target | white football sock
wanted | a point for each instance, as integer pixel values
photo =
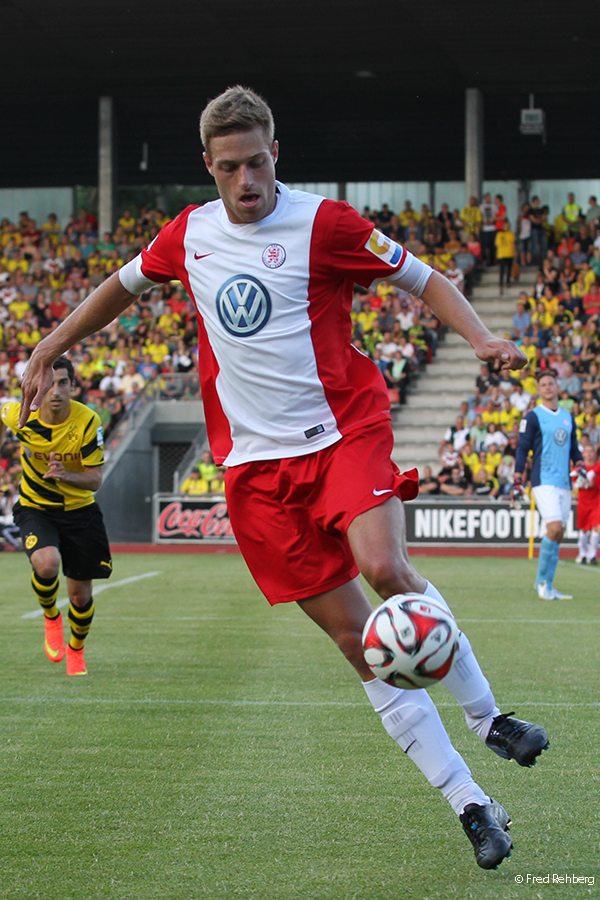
(582, 542)
(432, 591)
(413, 722)
(467, 683)
(593, 545)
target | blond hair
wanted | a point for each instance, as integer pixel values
(236, 109)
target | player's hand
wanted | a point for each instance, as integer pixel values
(578, 469)
(55, 468)
(518, 495)
(580, 474)
(36, 382)
(506, 352)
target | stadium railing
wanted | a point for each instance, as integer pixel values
(168, 387)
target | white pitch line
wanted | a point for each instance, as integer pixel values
(508, 621)
(595, 704)
(97, 590)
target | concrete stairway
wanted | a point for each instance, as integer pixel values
(434, 403)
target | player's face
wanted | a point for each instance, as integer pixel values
(57, 402)
(243, 166)
(548, 389)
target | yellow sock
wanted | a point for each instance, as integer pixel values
(80, 619)
(46, 591)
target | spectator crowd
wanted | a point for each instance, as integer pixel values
(556, 324)
(47, 270)
(204, 478)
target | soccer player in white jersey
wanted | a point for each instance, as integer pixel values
(549, 431)
(302, 421)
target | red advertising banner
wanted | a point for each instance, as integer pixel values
(187, 520)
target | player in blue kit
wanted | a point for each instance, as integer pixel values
(549, 432)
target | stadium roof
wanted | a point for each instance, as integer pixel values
(361, 91)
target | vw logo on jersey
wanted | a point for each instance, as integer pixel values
(243, 305)
(560, 436)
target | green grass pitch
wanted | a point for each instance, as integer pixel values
(223, 749)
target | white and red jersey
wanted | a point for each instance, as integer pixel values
(588, 500)
(279, 375)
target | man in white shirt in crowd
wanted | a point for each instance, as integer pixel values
(520, 398)
(387, 347)
(457, 433)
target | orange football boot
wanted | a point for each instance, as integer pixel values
(75, 662)
(54, 643)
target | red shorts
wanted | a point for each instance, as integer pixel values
(290, 516)
(588, 509)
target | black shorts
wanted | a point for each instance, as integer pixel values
(79, 535)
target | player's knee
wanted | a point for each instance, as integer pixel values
(47, 571)
(392, 576)
(79, 595)
(46, 562)
(555, 531)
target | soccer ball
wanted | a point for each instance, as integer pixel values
(410, 641)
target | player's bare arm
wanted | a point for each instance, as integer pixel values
(456, 312)
(90, 479)
(103, 305)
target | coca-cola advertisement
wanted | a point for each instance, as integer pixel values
(187, 520)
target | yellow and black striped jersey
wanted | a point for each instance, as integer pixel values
(78, 443)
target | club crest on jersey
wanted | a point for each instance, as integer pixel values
(273, 256)
(243, 305)
(380, 245)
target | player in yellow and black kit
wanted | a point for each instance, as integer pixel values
(62, 456)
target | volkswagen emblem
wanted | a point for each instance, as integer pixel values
(243, 305)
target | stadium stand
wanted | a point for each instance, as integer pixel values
(551, 307)
(553, 314)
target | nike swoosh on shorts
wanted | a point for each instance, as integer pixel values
(385, 491)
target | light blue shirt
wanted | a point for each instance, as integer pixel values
(552, 436)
